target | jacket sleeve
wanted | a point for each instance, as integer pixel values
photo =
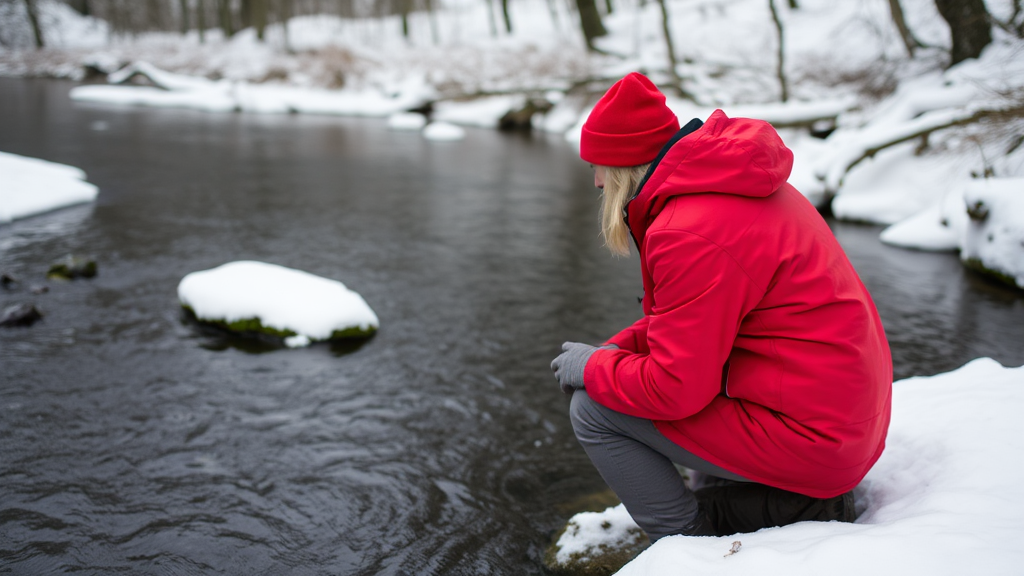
(700, 298)
(633, 338)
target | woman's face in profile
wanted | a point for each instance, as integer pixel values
(598, 176)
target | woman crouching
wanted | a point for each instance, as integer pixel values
(760, 360)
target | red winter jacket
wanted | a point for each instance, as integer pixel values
(760, 350)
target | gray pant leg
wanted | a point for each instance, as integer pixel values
(635, 460)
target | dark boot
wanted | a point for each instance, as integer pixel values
(701, 525)
(748, 507)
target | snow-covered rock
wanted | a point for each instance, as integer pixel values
(249, 296)
(30, 186)
(596, 543)
(443, 131)
(407, 121)
(944, 499)
(994, 240)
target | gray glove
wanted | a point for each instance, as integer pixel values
(568, 366)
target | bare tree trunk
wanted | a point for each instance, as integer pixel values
(590, 22)
(608, 8)
(670, 47)
(33, 20)
(969, 26)
(403, 8)
(184, 16)
(81, 6)
(226, 18)
(490, 18)
(284, 14)
(1016, 22)
(201, 20)
(553, 10)
(258, 16)
(433, 22)
(504, 14)
(781, 70)
(909, 41)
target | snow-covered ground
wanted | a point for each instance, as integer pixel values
(305, 307)
(944, 499)
(30, 186)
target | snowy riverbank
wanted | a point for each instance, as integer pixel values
(944, 499)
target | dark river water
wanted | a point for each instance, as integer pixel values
(134, 442)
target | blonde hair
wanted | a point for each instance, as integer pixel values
(619, 186)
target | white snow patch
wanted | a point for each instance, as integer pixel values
(482, 112)
(944, 499)
(587, 532)
(282, 298)
(31, 186)
(407, 121)
(997, 240)
(930, 229)
(443, 131)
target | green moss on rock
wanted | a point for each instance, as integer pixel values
(601, 560)
(978, 266)
(255, 326)
(71, 267)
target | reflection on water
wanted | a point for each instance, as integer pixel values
(139, 442)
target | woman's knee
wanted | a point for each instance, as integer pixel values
(585, 415)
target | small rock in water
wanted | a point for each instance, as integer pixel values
(39, 288)
(20, 315)
(6, 280)
(71, 267)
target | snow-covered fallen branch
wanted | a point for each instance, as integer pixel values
(179, 91)
(869, 142)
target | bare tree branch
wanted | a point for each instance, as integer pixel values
(919, 127)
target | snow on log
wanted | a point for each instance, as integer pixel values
(180, 91)
(247, 296)
(869, 141)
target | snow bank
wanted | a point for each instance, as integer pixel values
(944, 499)
(938, 228)
(994, 238)
(982, 218)
(181, 91)
(915, 176)
(300, 305)
(31, 186)
(482, 112)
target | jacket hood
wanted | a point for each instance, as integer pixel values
(739, 156)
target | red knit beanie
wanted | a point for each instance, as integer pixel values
(629, 124)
